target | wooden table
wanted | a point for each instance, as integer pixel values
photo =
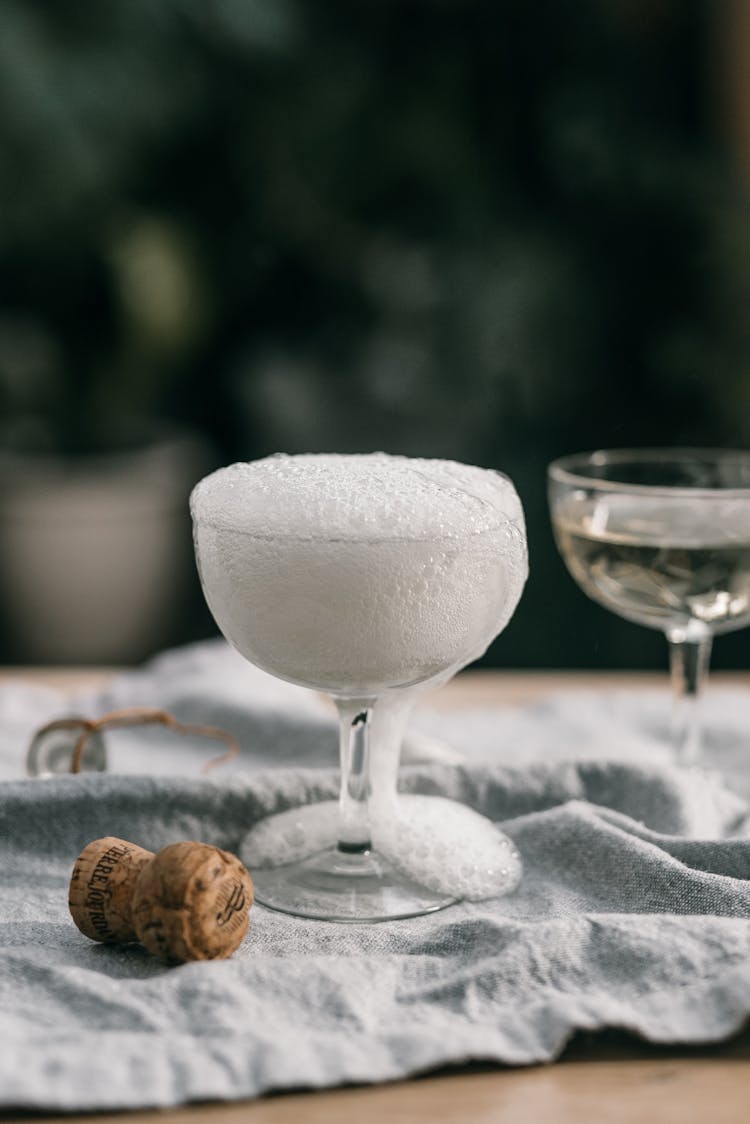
(609, 1078)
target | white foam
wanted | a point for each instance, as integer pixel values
(357, 574)
(354, 497)
(440, 844)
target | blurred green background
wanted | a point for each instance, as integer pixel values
(490, 231)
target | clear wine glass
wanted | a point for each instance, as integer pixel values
(366, 577)
(661, 537)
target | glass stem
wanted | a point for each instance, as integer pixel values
(355, 723)
(389, 723)
(688, 660)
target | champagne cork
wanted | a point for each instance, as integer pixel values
(101, 889)
(192, 902)
(188, 902)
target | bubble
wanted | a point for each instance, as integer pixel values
(371, 495)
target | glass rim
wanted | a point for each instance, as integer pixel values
(562, 469)
(361, 540)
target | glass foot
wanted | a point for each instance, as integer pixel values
(335, 886)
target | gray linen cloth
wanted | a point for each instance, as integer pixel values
(633, 910)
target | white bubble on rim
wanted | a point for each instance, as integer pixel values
(355, 496)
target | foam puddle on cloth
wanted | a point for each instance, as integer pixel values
(440, 844)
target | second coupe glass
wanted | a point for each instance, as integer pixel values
(661, 537)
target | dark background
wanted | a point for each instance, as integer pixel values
(491, 231)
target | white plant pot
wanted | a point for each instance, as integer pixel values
(95, 555)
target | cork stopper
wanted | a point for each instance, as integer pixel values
(102, 886)
(192, 902)
(188, 902)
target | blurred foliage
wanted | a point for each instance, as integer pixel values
(486, 230)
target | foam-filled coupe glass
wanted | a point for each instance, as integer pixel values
(367, 577)
(661, 537)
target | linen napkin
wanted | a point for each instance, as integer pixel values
(632, 912)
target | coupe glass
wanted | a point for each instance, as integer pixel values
(366, 577)
(661, 537)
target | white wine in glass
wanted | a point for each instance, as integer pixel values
(367, 577)
(661, 537)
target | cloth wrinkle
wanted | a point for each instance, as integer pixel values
(633, 911)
